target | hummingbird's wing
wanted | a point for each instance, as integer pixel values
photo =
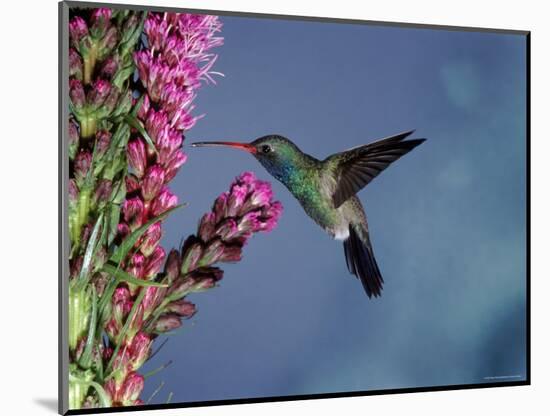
(355, 168)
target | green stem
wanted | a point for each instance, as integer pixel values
(81, 216)
(88, 126)
(79, 315)
(89, 63)
(78, 389)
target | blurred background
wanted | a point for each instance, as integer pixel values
(447, 221)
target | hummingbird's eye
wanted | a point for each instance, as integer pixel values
(266, 149)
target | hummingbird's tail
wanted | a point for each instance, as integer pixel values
(361, 262)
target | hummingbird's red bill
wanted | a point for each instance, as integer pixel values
(236, 145)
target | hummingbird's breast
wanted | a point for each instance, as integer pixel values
(314, 191)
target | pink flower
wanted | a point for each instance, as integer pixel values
(103, 141)
(131, 389)
(163, 202)
(139, 350)
(137, 158)
(101, 16)
(133, 211)
(151, 239)
(154, 262)
(152, 182)
(82, 164)
(77, 30)
(76, 93)
(99, 93)
(136, 265)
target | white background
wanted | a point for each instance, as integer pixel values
(28, 174)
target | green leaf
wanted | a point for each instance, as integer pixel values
(135, 123)
(131, 240)
(131, 41)
(104, 399)
(86, 357)
(90, 251)
(137, 105)
(114, 217)
(121, 275)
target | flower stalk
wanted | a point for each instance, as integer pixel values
(125, 146)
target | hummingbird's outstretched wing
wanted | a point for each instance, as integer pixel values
(355, 168)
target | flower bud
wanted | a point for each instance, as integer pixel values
(250, 222)
(100, 21)
(172, 266)
(181, 286)
(100, 280)
(122, 231)
(156, 123)
(231, 253)
(103, 192)
(139, 350)
(75, 64)
(204, 284)
(133, 212)
(191, 257)
(173, 165)
(129, 26)
(227, 229)
(212, 253)
(82, 163)
(124, 103)
(137, 158)
(151, 239)
(272, 214)
(73, 192)
(76, 93)
(167, 322)
(109, 67)
(74, 139)
(152, 182)
(108, 42)
(99, 93)
(136, 265)
(132, 183)
(220, 205)
(122, 304)
(77, 30)
(163, 202)
(75, 266)
(152, 299)
(154, 262)
(262, 193)
(182, 307)
(111, 102)
(207, 226)
(103, 141)
(236, 199)
(131, 389)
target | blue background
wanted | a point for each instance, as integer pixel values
(447, 221)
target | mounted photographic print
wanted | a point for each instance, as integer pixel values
(265, 208)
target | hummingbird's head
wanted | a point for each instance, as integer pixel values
(276, 153)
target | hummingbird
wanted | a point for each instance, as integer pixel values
(326, 189)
